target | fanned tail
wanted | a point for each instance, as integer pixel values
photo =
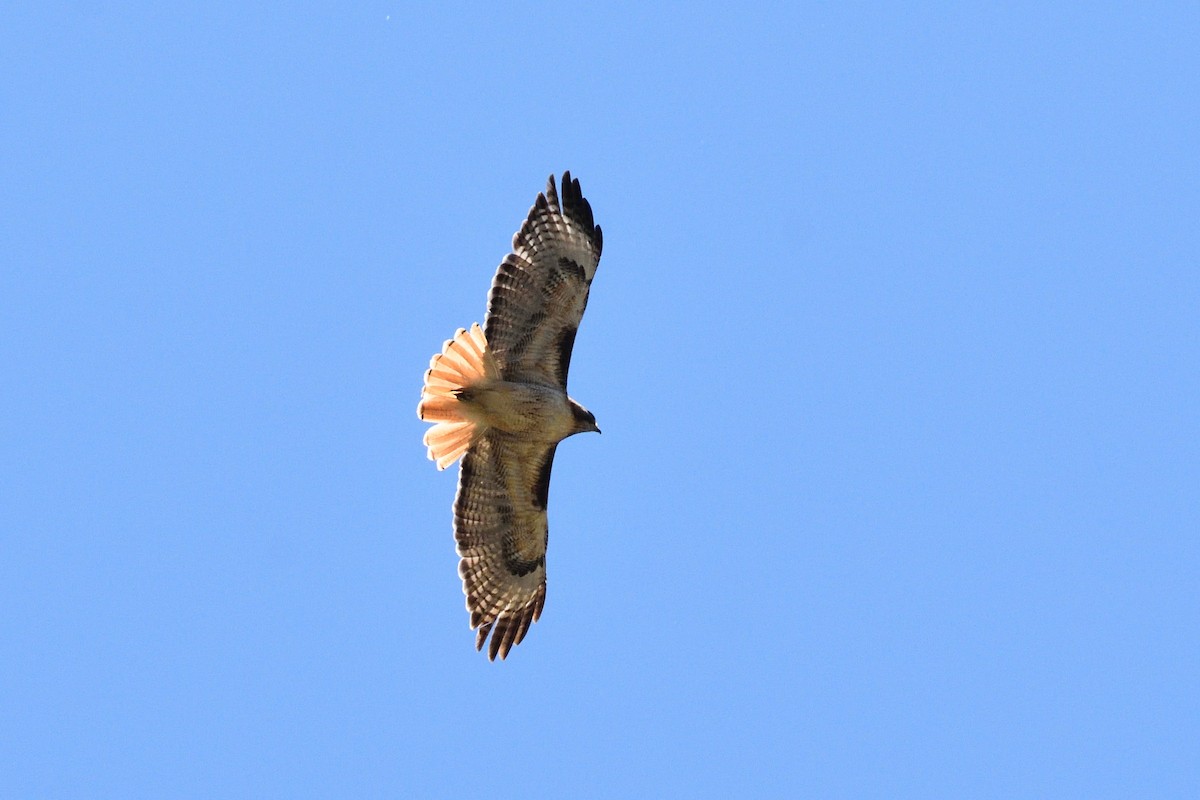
(463, 362)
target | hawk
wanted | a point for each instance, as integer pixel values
(498, 398)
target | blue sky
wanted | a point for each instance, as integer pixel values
(894, 344)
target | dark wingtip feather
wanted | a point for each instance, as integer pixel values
(577, 207)
(498, 646)
(502, 639)
(525, 621)
(508, 630)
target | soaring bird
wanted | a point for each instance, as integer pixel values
(498, 398)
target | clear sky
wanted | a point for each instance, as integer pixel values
(895, 344)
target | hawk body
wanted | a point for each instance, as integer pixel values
(531, 410)
(498, 398)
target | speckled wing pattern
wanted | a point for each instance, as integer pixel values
(541, 288)
(535, 305)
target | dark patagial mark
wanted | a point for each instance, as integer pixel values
(541, 487)
(566, 343)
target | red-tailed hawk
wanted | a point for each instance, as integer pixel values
(498, 396)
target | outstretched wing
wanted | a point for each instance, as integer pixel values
(500, 527)
(541, 288)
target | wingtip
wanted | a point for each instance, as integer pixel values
(551, 195)
(481, 635)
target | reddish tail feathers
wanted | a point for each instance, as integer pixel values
(463, 362)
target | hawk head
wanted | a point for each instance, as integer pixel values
(585, 421)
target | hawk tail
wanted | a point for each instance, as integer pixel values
(463, 362)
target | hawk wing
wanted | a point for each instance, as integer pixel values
(541, 288)
(500, 527)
